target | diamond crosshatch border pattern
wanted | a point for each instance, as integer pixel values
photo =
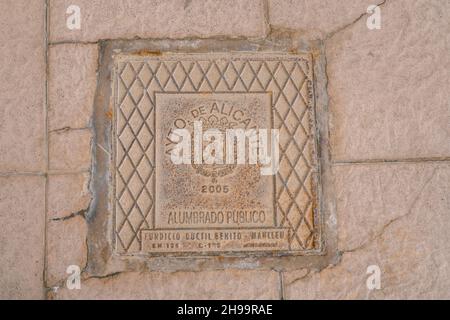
(287, 77)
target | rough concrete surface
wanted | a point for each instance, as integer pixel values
(381, 108)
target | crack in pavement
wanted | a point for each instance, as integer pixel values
(383, 230)
(390, 222)
(333, 33)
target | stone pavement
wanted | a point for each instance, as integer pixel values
(382, 96)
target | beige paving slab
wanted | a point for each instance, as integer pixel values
(206, 285)
(411, 249)
(106, 19)
(66, 246)
(70, 150)
(22, 217)
(315, 19)
(22, 87)
(388, 88)
(68, 194)
(72, 84)
(370, 196)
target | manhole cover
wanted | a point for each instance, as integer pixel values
(165, 207)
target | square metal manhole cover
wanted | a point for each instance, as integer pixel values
(161, 207)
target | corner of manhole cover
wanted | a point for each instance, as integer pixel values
(160, 207)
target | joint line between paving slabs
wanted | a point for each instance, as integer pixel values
(386, 161)
(46, 142)
(281, 285)
(22, 173)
